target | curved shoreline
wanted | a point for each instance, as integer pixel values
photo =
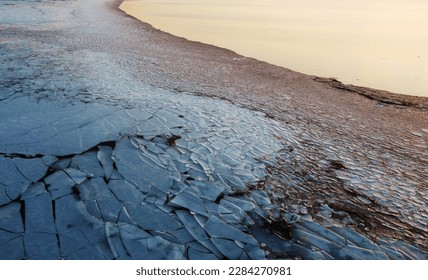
(337, 109)
(103, 104)
(370, 92)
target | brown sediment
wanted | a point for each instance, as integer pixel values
(347, 133)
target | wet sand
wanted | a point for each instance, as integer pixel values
(331, 163)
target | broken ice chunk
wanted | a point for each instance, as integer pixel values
(260, 198)
(272, 241)
(12, 246)
(158, 196)
(153, 127)
(259, 215)
(228, 248)
(208, 190)
(33, 169)
(182, 235)
(159, 248)
(366, 254)
(195, 229)
(141, 245)
(149, 217)
(11, 219)
(92, 208)
(49, 160)
(125, 191)
(170, 118)
(124, 217)
(77, 175)
(234, 181)
(323, 232)
(81, 235)
(316, 241)
(14, 192)
(59, 184)
(105, 157)
(392, 253)
(238, 212)
(282, 246)
(88, 162)
(39, 214)
(130, 231)
(198, 246)
(86, 191)
(410, 251)
(189, 200)
(87, 252)
(4, 198)
(129, 164)
(356, 238)
(115, 175)
(33, 190)
(241, 203)
(219, 145)
(234, 220)
(192, 225)
(254, 252)
(108, 204)
(10, 175)
(41, 246)
(291, 218)
(166, 235)
(61, 164)
(198, 255)
(216, 209)
(217, 228)
(346, 254)
(229, 160)
(197, 174)
(115, 242)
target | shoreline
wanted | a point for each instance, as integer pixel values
(387, 96)
(373, 97)
(343, 163)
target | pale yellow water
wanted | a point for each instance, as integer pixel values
(379, 43)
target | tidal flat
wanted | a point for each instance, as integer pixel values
(119, 141)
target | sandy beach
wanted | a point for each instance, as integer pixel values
(113, 128)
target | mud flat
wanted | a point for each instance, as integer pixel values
(119, 141)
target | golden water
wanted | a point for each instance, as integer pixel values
(376, 43)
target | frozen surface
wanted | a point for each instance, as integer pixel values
(95, 164)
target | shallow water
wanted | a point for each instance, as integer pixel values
(379, 44)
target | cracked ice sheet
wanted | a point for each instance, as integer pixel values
(63, 135)
(91, 101)
(46, 128)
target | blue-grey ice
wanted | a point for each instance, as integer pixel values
(39, 216)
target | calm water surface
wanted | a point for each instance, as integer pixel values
(378, 43)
